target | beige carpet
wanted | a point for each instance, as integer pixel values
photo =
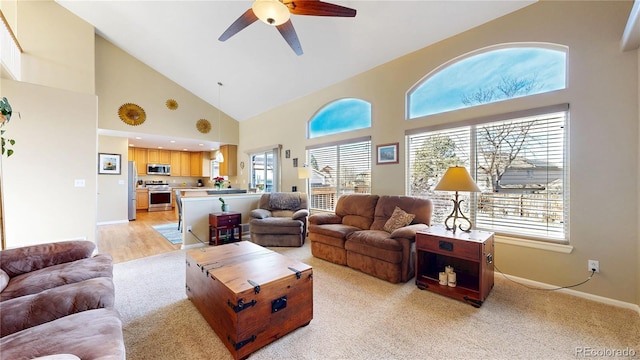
(357, 316)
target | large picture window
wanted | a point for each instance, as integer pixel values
(490, 75)
(340, 116)
(519, 163)
(339, 169)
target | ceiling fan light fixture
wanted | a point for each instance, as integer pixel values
(271, 12)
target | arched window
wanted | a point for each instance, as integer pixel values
(340, 116)
(490, 75)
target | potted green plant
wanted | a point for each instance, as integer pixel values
(225, 207)
(5, 117)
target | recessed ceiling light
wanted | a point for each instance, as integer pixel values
(172, 141)
(185, 149)
(138, 138)
(131, 145)
(159, 147)
(200, 144)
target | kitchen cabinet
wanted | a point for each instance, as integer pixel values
(156, 156)
(229, 167)
(165, 157)
(152, 156)
(185, 163)
(141, 161)
(142, 199)
(175, 163)
(200, 164)
(196, 164)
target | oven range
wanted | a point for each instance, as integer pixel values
(160, 197)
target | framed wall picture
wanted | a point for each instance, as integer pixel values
(387, 153)
(109, 164)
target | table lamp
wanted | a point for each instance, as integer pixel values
(457, 178)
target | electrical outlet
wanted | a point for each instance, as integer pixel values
(189, 228)
(593, 264)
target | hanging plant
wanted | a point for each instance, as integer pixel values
(5, 117)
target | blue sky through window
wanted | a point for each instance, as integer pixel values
(340, 116)
(444, 91)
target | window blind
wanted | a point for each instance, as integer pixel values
(519, 165)
(339, 169)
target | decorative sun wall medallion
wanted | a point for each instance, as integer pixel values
(203, 125)
(172, 104)
(132, 114)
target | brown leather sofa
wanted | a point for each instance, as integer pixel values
(355, 234)
(58, 298)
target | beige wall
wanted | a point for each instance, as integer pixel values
(120, 79)
(112, 189)
(602, 93)
(55, 145)
(58, 47)
(56, 134)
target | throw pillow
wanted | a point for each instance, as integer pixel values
(398, 219)
(4, 280)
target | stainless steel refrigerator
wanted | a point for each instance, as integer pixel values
(131, 189)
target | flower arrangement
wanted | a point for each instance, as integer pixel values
(218, 181)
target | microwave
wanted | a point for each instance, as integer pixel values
(158, 169)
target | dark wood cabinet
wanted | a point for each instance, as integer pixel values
(469, 253)
(227, 222)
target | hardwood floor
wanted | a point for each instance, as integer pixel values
(136, 239)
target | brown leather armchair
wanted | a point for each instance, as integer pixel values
(280, 219)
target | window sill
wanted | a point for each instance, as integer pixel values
(561, 248)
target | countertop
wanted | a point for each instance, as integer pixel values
(211, 190)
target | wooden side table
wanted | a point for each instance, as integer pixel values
(224, 221)
(470, 254)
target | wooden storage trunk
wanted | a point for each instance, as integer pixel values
(249, 295)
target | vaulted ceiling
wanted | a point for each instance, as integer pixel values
(258, 69)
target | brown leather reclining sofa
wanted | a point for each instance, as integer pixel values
(57, 300)
(355, 234)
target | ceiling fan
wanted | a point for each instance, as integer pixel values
(277, 12)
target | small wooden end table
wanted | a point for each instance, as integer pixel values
(224, 221)
(470, 254)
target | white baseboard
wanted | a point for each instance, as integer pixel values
(600, 299)
(113, 222)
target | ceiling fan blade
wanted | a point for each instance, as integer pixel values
(289, 34)
(318, 8)
(242, 22)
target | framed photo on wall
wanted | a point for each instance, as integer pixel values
(109, 164)
(387, 154)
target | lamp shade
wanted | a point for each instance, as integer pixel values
(457, 178)
(304, 173)
(218, 156)
(271, 12)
